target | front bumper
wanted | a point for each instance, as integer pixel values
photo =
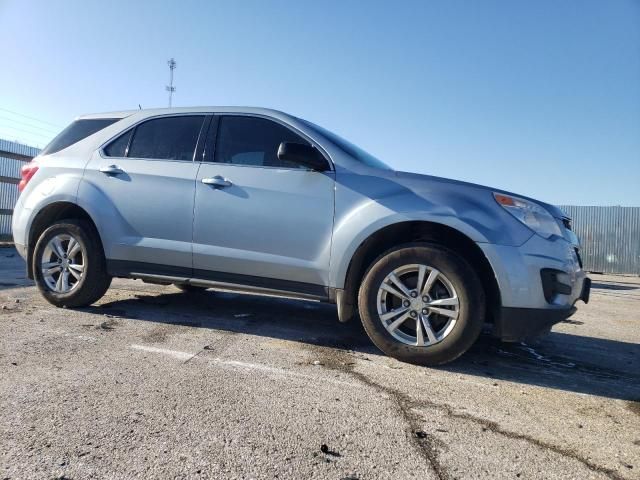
(517, 324)
(539, 282)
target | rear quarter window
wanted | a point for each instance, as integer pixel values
(78, 130)
(118, 148)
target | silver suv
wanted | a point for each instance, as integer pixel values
(259, 201)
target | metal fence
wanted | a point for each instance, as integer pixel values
(12, 157)
(610, 237)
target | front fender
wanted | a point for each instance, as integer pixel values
(367, 204)
(348, 236)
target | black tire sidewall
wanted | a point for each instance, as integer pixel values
(460, 274)
(93, 260)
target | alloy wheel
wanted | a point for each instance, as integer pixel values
(418, 305)
(63, 263)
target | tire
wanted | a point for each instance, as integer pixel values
(94, 280)
(450, 332)
(187, 288)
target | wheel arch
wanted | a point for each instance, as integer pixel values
(49, 214)
(414, 231)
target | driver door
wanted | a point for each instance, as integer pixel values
(258, 220)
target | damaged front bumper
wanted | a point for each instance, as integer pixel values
(540, 283)
(517, 324)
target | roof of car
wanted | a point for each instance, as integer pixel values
(165, 111)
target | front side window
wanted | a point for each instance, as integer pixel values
(253, 141)
(168, 138)
(78, 130)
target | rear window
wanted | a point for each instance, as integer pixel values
(78, 130)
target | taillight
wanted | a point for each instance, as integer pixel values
(26, 172)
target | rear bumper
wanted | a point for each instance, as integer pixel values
(516, 324)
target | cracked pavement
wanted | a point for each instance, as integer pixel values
(154, 383)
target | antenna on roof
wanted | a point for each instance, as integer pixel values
(170, 88)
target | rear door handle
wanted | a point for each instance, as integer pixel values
(217, 182)
(112, 170)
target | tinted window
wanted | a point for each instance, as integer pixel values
(169, 138)
(118, 148)
(75, 132)
(253, 141)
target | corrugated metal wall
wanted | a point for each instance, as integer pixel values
(18, 148)
(12, 157)
(610, 237)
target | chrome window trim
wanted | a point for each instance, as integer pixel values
(264, 167)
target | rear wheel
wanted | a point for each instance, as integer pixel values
(69, 265)
(422, 304)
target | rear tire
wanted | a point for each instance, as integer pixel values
(68, 264)
(442, 317)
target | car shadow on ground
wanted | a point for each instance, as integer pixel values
(559, 360)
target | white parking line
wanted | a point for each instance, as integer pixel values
(172, 353)
(236, 364)
(281, 372)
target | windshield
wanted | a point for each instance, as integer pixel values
(353, 150)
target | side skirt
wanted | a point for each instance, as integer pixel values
(165, 274)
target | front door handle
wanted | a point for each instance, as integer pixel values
(217, 182)
(112, 170)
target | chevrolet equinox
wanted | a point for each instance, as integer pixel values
(259, 201)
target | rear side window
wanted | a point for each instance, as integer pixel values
(253, 141)
(169, 138)
(78, 130)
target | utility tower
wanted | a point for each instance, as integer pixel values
(170, 88)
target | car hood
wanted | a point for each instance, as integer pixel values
(413, 179)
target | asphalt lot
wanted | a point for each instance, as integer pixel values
(154, 383)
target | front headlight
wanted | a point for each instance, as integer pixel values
(531, 214)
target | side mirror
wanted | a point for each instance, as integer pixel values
(303, 154)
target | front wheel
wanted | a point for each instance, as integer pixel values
(69, 265)
(422, 304)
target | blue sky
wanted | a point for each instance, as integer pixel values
(537, 97)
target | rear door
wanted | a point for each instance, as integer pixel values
(258, 220)
(142, 186)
